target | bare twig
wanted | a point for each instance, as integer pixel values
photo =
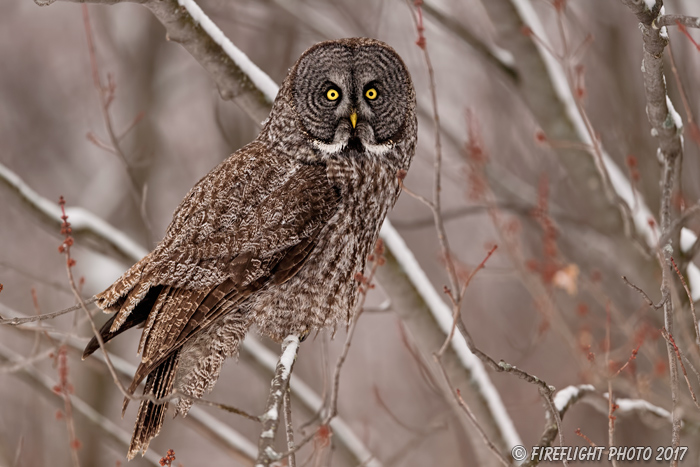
(227, 408)
(672, 342)
(435, 205)
(454, 292)
(32, 319)
(673, 20)
(484, 437)
(646, 297)
(106, 95)
(690, 301)
(456, 307)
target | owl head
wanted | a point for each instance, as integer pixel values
(352, 95)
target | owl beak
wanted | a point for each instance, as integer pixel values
(353, 119)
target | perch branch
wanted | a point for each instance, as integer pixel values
(271, 418)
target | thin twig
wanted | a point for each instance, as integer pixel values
(672, 342)
(644, 294)
(611, 404)
(106, 96)
(227, 408)
(690, 301)
(32, 319)
(456, 308)
(435, 205)
(470, 415)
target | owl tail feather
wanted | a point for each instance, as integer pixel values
(151, 415)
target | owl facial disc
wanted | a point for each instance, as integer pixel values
(351, 95)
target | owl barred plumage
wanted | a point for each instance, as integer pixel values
(274, 235)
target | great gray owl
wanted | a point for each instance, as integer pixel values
(275, 235)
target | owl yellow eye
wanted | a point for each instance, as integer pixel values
(371, 94)
(332, 94)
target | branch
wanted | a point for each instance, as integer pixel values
(341, 430)
(673, 20)
(89, 229)
(17, 321)
(666, 127)
(566, 398)
(271, 418)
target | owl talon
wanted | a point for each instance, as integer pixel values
(304, 335)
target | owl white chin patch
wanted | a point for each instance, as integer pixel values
(330, 149)
(378, 149)
(335, 148)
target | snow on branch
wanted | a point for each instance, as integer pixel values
(85, 224)
(568, 396)
(639, 405)
(341, 430)
(259, 78)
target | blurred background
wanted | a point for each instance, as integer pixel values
(516, 174)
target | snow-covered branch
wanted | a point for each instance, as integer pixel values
(89, 229)
(567, 397)
(341, 430)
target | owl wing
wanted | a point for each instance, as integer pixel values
(229, 237)
(284, 230)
